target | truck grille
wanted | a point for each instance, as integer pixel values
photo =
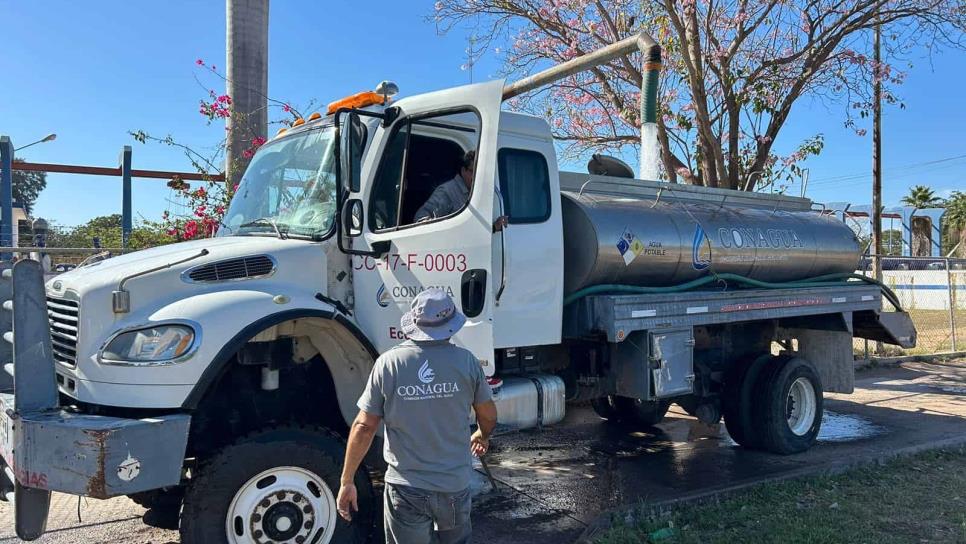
(255, 266)
(64, 318)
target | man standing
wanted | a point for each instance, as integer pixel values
(423, 389)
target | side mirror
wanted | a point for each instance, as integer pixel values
(352, 218)
(352, 137)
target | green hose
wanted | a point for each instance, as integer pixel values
(828, 280)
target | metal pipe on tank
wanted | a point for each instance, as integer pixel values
(652, 68)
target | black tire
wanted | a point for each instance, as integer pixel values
(311, 449)
(160, 499)
(636, 413)
(774, 406)
(738, 403)
(604, 408)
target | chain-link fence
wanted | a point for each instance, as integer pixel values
(933, 291)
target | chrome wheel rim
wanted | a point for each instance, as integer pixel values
(282, 504)
(801, 406)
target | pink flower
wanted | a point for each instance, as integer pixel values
(190, 229)
(286, 108)
(257, 141)
(200, 62)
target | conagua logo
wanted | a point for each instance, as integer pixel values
(426, 374)
(382, 297)
(697, 261)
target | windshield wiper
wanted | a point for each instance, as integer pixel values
(266, 221)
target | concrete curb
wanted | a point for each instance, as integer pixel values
(879, 362)
(629, 513)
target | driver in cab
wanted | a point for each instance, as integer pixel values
(452, 195)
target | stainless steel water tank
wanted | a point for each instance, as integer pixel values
(650, 242)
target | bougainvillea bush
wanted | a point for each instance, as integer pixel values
(202, 204)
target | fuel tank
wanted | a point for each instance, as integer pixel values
(652, 242)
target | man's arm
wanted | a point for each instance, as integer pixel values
(437, 205)
(360, 440)
(486, 422)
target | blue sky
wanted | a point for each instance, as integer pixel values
(93, 71)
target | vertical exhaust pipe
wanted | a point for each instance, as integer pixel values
(650, 149)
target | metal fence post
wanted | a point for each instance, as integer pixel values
(6, 195)
(951, 293)
(126, 213)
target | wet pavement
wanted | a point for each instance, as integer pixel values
(557, 480)
(553, 482)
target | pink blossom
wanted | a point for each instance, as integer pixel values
(190, 229)
(200, 62)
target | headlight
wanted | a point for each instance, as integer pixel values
(161, 344)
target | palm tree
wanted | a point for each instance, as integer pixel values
(921, 197)
(246, 54)
(955, 219)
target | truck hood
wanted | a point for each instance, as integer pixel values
(117, 268)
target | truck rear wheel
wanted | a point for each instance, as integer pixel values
(604, 407)
(789, 405)
(277, 485)
(634, 413)
(738, 402)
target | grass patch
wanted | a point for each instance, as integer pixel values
(916, 499)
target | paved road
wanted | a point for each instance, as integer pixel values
(551, 483)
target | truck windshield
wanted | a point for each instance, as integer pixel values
(288, 188)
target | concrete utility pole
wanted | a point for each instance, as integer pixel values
(246, 55)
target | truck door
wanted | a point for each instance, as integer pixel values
(528, 254)
(417, 152)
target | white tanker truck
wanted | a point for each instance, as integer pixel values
(219, 375)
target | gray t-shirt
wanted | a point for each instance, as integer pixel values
(424, 392)
(446, 199)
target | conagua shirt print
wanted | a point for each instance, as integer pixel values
(425, 392)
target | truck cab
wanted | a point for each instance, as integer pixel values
(265, 335)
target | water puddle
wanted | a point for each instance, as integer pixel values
(953, 389)
(838, 427)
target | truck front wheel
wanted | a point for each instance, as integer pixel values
(277, 485)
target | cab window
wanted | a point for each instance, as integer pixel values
(525, 185)
(422, 155)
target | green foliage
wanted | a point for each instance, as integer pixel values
(27, 187)
(108, 229)
(921, 197)
(954, 225)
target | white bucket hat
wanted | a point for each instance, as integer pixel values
(432, 316)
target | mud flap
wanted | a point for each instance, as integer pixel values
(890, 327)
(31, 507)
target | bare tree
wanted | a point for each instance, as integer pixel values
(734, 69)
